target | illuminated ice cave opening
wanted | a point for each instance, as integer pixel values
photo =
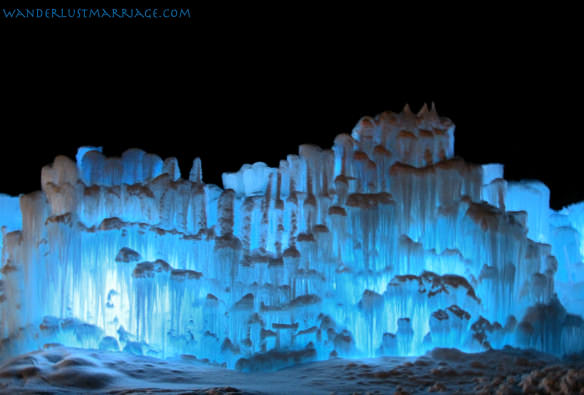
(385, 244)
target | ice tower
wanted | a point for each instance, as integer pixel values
(385, 244)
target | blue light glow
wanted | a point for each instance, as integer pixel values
(384, 245)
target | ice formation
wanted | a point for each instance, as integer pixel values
(386, 244)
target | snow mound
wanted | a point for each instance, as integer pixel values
(58, 369)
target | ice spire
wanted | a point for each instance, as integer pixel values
(196, 174)
(423, 111)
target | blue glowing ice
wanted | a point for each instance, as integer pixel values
(384, 245)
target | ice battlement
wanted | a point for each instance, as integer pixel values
(385, 244)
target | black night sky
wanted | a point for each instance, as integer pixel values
(234, 89)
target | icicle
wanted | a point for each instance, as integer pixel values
(384, 245)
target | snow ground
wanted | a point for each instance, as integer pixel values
(65, 370)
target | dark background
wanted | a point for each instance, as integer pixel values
(237, 86)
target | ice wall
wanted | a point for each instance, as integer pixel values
(385, 244)
(10, 216)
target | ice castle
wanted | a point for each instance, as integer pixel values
(386, 244)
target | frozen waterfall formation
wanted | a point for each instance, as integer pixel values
(384, 245)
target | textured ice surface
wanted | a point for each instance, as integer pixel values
(386, 244)
(509, 371)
